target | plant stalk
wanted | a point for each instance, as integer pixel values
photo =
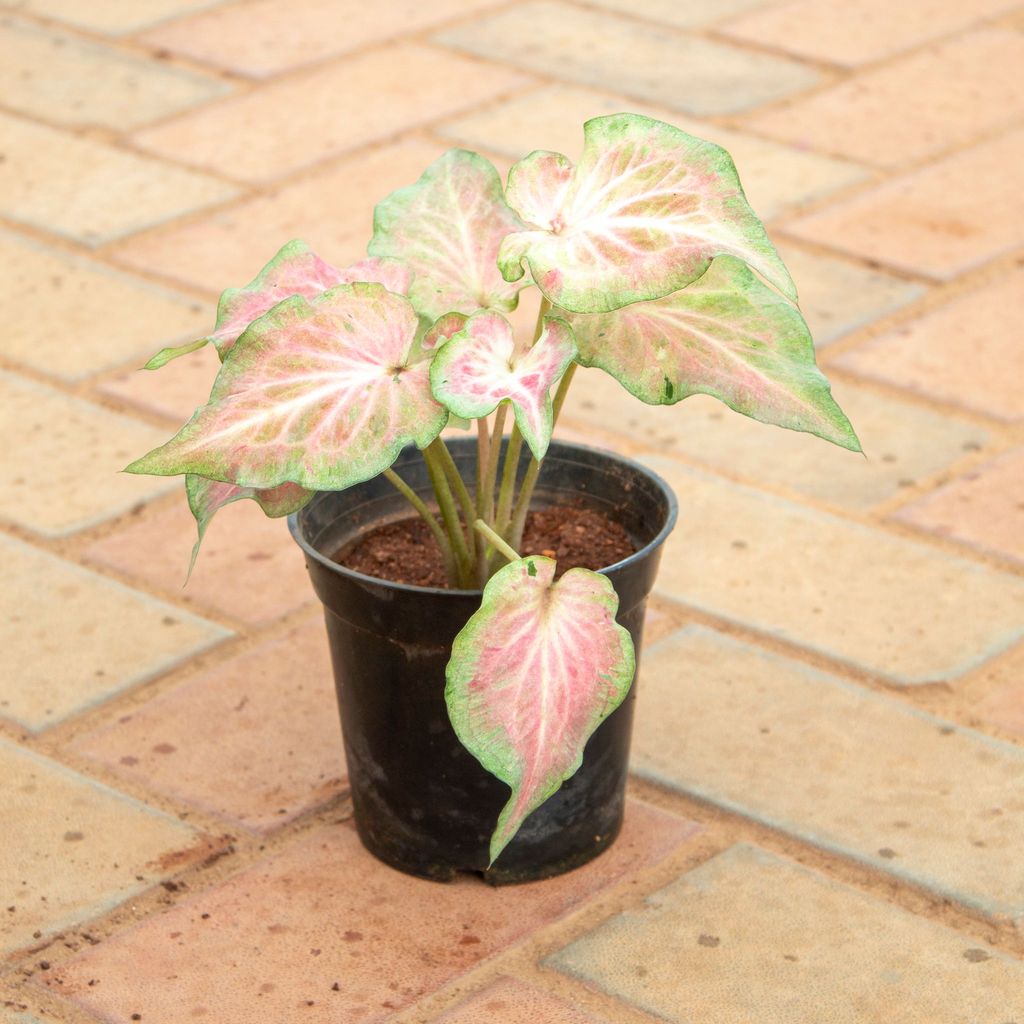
(446, 503)
(493, 455)
(428, 517)
(499, 545)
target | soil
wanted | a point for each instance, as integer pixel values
(405, 551)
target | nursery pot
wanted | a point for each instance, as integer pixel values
(422, 802)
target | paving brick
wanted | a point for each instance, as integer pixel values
(77, 849)
(64, 78)
(839, 766)
(905, 112)
(71, 317)
(904, 443)
(255, 740)
(77, 638)
(248, 568)
(113, 17)
(325, 913)
(894, 607)
(776, 178)
(854, 34)
(90, 191)
(983, 508)
(964, 352)
(270, 36)
(350, 103)
(940, 221)
(650, 62)
(1004, 705)
(681, 15)
(760, 938)
(510, 1001)
(64, 459)
(331, 210)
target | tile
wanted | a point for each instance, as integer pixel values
(331, 210)
(511, 1001)
(854, 34)
(940, 221)
(650, 62)
(839, 766)
(248, 568)
(324, 913)
(64, 460)
(983, 508)
(112, 17)
(893, 607)
(77, 638)
(969, 352)
(1005, 707)
(63, 78)
(345, 104)
(255, 740)
(71, 317)
(685, 14)
(904, 112)
(761, 938)
(90, 191)
(270, 36)
(775, 178)
(903, 443)
(72, 846)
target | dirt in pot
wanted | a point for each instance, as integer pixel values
(405, 551)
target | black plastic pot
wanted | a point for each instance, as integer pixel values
(422, 802)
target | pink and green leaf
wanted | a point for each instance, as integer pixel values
(442, 329)
(320, 393)
(482, 366)
(448, 228)
(728, 335)
(533, 673)
(643, 214)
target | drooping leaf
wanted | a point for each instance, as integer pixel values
(206, 497)
(643, 214)
(448, 227)
(442, 329)
(532, 674)
(482, 366)
(319, 393)
(294, 270)
(728, 335)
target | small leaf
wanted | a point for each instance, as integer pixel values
(482, 366)
(532, 674)
(643, 214)
(728, 335)
(448, 227)
(319, 393)
(442, 329)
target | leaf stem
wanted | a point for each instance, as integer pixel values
(446, 503)
(493, 455)
(458, 484)
(499, 545)
(508, 479)
(428, 517)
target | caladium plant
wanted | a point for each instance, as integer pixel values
(651, 266)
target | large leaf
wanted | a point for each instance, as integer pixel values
(206, 497)
(319, 393)
(532, 674)
(448, 227)
(728, 335)
(294, 270)
(643, 214)
(482, 366)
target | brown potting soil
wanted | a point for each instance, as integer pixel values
(405, 551)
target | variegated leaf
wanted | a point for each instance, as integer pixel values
(727, 335)
(532, 674)
(206, 497)
(482, 366)
(294, 270)
(643, 214)
(448, 227)
(319, 393)
(442, 329)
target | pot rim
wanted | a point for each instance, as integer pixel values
(670, 522)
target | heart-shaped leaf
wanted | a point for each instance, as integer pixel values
(728, 335)
(319, 393)
(532, 674)
(442, 329)
(482, 366)
(206, 497)
(448, 227)
(643, 214)
(294, 270)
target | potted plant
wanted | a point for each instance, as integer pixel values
(329, 405)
